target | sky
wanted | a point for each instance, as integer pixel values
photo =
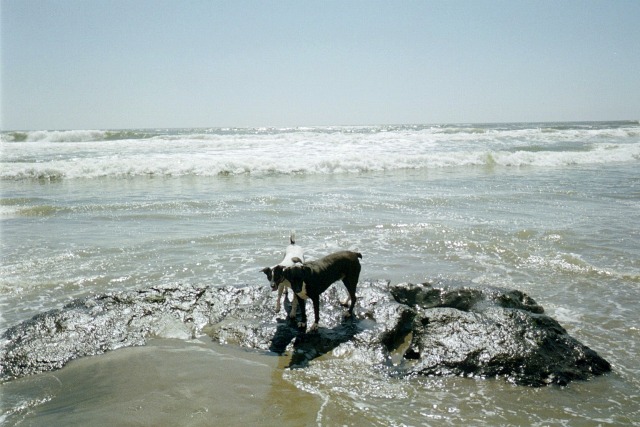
(117, 64)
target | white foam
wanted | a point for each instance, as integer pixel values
(172, 328)
(323, 151)
(565, 315)
(9, 212)
(56, 136)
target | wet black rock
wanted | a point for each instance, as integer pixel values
(427, 329)
(487, 332)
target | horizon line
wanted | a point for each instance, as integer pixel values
(630, 121)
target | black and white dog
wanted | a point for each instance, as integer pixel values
(310, 279)
(276, 278)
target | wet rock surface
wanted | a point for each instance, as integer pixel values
(437, 329)
(492, 332)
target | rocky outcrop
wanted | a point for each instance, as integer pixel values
(95, 325)
(426, 329)
(491, 332)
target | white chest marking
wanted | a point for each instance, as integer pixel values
(303, 293)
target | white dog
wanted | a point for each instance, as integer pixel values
(277, 280)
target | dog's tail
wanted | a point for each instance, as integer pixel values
(292, 237)
(359, 255)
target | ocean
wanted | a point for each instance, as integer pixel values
(551, 209)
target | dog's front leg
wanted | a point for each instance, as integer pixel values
(294, 306)
(346, 302)
(316, 313)
(280, 290)
(303, 305)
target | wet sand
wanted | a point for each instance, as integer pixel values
(166, 383)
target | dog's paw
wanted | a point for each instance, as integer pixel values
(314, 328)
(277, 308)
(302, 324)
(292, 315)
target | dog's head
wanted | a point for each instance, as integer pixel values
(268, 272)
(295, 275)
(275, 276)
(278, 277)
(272, 274)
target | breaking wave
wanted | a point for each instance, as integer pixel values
(57, 155)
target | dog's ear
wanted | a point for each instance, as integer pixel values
(267, 271)
(296, 285)
(292, 273)
(296, 260)
(294, 276)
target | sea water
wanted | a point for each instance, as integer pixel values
(552, 209)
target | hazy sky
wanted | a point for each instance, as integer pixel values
(96, 64)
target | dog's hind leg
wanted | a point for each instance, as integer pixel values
(352, 297)
(346, 302)
(351, 284)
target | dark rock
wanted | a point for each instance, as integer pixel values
(490, 332)
(452, 330)
(460, 297)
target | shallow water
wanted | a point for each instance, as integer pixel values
(168, 382)
(553, 212)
